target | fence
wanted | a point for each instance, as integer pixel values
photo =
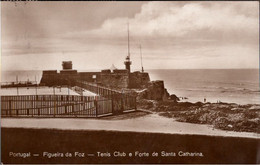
(108, 102)
(98, 89)
(64, 105)
(55, 106)
(120, 101)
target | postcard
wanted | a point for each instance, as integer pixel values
(130, 82)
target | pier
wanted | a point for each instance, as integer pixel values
(19, 84)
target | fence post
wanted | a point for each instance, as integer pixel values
(96, 105)
(112, 102)
(10, 108)
(135, 103)
(122, 102)
(54, 110)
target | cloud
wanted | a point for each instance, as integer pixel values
(177, 34)
(201, 20)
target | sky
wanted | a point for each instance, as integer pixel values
(93, 35)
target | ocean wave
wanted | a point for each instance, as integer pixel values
(221, 89)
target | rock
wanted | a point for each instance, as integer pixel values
(221, 122)
(142, 94)
(248, 125)
(166, 95)
(237, 109)
(255, 107)
(185, 104)
(174, 98)
(198, 104)
(154, 91)
(145, 104)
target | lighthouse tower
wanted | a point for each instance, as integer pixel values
(127, 59)
(128, 63)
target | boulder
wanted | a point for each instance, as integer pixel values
(154, 91)
(174, 98)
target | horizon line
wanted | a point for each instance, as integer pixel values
(132, 69)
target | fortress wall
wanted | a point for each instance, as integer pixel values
(53, 78)
(115, 80)
(49, 77)
(67, 77)
(138, 79)
(118, 78)
(90, 76)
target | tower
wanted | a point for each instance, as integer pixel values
(66, 65)
(141, 59)
(127, 59)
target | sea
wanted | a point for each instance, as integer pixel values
(239, 86)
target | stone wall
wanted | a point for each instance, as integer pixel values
(53, 78)
(139, 80)
(90, 76)
(115, 80)
(49, 78)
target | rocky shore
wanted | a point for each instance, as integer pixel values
(225, 116)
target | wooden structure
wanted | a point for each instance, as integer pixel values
(98, 89)
(108, 102)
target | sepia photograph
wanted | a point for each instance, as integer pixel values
(130, 82)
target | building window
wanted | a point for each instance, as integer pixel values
(94, 76)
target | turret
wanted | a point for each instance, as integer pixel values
(66, 65)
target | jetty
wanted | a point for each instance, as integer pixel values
(15, 84)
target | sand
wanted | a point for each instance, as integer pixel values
(152, 123)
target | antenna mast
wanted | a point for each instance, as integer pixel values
(127, 59)
(128, 39)
(141, 58)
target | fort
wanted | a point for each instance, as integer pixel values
(112, 78)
